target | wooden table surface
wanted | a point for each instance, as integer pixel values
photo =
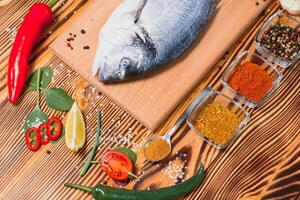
(264, 163)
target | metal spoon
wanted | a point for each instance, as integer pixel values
(167, 137)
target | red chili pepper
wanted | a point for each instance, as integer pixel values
(43, 131)
(54, 128)
(36, 20)
(33, 141)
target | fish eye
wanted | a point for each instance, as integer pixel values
(125, 62)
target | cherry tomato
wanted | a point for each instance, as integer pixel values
(54, 128)
(43, 131)
(33, 139)
(116, 165)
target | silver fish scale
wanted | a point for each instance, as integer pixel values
(174, 24)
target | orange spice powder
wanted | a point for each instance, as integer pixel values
(251, 81)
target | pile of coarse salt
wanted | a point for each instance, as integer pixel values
(175, 170)
(56, 71)
(122, 139)
(12, 33)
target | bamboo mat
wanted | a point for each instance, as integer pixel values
(263, 163)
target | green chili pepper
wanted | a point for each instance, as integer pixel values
(101, 192)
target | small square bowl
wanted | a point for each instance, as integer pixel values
(275, 19)
(247, 56)
(213, 96)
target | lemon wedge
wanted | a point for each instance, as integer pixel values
(292, 6)
(75, 129)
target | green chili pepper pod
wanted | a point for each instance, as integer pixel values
(101, 192)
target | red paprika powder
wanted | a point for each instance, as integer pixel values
(251, 81)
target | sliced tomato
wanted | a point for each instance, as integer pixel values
(116, 165)
(33, 139)
(54, 128)
(43, 131)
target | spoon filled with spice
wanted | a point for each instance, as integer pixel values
(158, 148)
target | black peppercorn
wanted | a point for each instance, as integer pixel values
(282, 40)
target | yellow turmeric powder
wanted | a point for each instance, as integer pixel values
(217, 123)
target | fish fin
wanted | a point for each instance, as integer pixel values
(125, 15)
(131, 9)
(144, 36)
(139, 10)
(139, 33)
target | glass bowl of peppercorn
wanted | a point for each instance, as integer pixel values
(252, 78)
(218, 119)
(279, 40)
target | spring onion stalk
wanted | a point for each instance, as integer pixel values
(52, 3)
(89, 160)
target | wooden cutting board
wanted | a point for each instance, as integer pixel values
(151, 99)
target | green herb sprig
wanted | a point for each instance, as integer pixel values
(56, 98)
(37, 116)
(90, 157)
(45, 78)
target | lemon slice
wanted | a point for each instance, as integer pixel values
(75, 129)
(292, 6)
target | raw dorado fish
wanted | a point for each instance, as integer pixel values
(141, 35)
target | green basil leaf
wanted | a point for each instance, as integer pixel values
(58, 99)
(129, 153)
(35, 118)
(45, 78)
